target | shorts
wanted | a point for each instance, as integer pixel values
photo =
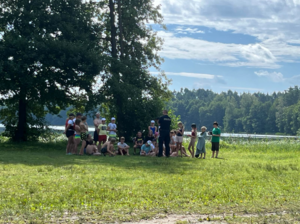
(96, 136)
(104, 150)
(179, 139)
(83, 136)
(123, 151)
(102, 138)
(70, 133)
(112, 136)
(215, 146)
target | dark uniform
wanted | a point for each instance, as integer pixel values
(164, 134)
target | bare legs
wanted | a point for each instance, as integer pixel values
(70, 145)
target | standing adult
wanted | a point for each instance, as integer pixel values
(215, 140)
(97, 122)
(164, 133)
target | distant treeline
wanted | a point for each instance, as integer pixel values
(250, 113)
(60, 119)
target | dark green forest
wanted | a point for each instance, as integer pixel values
(240, 113)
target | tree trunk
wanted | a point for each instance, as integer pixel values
(121, 27)
(21, 134)
(113, 29)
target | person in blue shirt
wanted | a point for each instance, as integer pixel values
(146, 149)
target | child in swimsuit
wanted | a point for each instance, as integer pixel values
(108, 147)
(90, 148)
(77, 135)
(193, 137)
(152, 128)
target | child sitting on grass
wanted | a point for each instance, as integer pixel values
(146, 149)
(172, 142)
(123, 148)
(108, 147)
(139, 140)
(90, 148)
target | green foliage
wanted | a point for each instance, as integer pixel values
(134, 96)
(175, 119)
(240, 113)
(39, 182)
(49, 52)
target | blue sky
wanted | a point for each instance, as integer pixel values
(242, 45)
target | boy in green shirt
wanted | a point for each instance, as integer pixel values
(215, 140)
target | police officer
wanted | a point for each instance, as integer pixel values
(164, 133)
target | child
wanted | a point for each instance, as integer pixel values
(146, 149)
(215, 140)
(108, 147)
(84, 132)
(102, 137)
(90, 148)
(150, 136)
(154, 146)
(201, 144)
(193, 137)
(179, 137)
(172, 141)
(152, 128)
(69, 131)
(77, 135)
(123, 148)
(138, 142)
(112, 128)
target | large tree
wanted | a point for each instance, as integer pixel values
(134, 96)
(49, 51)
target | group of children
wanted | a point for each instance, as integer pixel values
(77, 131)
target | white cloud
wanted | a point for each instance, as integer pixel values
(188, 30)
(274, 76)
(252, 55)
(275, 24)
(205, 79)
(261, 18)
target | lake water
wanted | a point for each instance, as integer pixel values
(226, 135)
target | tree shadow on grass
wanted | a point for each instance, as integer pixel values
(51, 154)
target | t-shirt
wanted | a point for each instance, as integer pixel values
(112, 126)
(216, 131)
(123, 145)
(165, 122)
(139, 139)
(145, 148)
(102, 129)
(72, 124)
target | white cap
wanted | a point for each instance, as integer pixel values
(103, 119)
(149, 142)
(98, 113)
(113, 119)
(152, 121)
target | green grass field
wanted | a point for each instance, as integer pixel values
(40, 184)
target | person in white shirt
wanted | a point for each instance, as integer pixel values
(112, 128)
(123, 148)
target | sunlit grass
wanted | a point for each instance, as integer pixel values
(39, 182)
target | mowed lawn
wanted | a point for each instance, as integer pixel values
(40, 184)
